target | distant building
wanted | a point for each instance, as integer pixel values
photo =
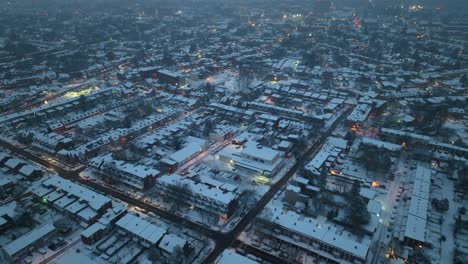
(409, 138)
(359, 115)
(322, 6)
(171, 77)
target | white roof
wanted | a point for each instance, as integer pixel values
(417, 214)
(423, 174)
(415, 228)
(360, 113)
(421, 189)
(311, 227)
(418, 207)
(382, 144)
(170, 242)
(8, 209)
(188, 151)
(94, 199)
(75, 207)
(27, 170)
(230, 256)
(12, 163)
(262, 152)
(3, 155)
(374, 207)
(28, 239)
(215, 194)
(91, 230)
(87, 214)
(141, 228)
(331, 147)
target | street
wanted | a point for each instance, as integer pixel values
(223, 240)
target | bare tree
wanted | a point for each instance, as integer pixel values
(244, 78)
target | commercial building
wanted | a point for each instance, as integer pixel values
(251, 156)
(171, 77)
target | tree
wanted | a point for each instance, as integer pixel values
(209, 90)
(178, 143)
(248, 197)
(193, 47)
(25, 219)
(153, 254)
(327, 79)
(244, 78)
(357, 209)
(25, 138)
(83, 102)
(376, 158)
(110, 55)
(310, 58)
(322, 179)
(441, 205)
(188, 249)
(355, 189)
(464, 80)
(301, 146)
(357, 212)
(179, 191)
(167, 59)
(350, 136)
(418, 257)
(127, 122)
(177, 256)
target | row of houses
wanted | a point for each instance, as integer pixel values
(322, 239)
(130, 227)
(19, 166)
(137, 176)
(73, 199)
(404, 137)
(214, 199)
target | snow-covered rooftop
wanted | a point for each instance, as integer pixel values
(229, 256)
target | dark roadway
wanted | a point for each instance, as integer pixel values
(223, 240)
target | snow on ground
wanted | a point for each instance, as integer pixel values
(52, 255)
(79, 254)
(228, 79)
